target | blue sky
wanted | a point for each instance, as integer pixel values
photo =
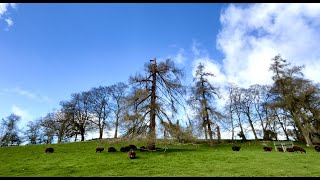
(50, 50)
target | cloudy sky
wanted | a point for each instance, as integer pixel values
(49, 51)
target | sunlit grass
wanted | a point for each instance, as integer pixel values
(188, 160)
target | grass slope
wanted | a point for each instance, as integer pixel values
(79, 159)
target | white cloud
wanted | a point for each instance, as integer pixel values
(179, 58)
(23, 113)
(20, 111)
(197, 50)
(9, 22)
(27, 94)
(4, 10)
(4, 7)
(210, 66)
(252, 35)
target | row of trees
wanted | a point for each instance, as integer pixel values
(151, 102)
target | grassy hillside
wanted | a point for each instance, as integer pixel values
(196, 160)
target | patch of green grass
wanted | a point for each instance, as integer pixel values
(79, 159)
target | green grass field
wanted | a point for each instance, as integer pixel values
(79, 159)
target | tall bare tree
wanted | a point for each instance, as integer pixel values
(236, 107)
(228, 108)
(246, 106)
(294, 93)
(162, 87)
(99, 105)
(118, 94)
(204, 95)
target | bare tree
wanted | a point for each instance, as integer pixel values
(229, 109)
(203, 97)
(99, 105)
(78, 112)
(261, 96)
(33, 132)
(162, 86)
(68, 108)
(118, 94)
(10, 136)
(48, 127)
(246, 106)
(236, 97)
(294, 94)
(135, 114)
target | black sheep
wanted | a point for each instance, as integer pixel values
(290, 150)
(267, 148)
(125, 149)
(49, 149)
(152, 147)
(133, 147)
(280, 149)
(112, 149)
(99, 149)
(317, 148)
(236, 148)
(143, 148)
(297, 148)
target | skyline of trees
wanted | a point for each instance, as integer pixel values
(151, 102)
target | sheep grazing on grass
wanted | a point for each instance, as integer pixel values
(280, 149)
(267, 148)
(131, 154)
(151, 147)
(290, 150)
(125, 149)
(133, 147)
(49, 150)
(99, 149)
(143, 148)
(317, 148)
(236, 148)
(112, 149)
(297, 148)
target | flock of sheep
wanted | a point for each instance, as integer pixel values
(132, 148)
(293, 149)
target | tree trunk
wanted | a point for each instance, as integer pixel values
(301, 129)
(241, 130)
(82, 136)
(219, 134)
(60, 135)
(116, 128)
(282, 126)
(251, 124)
(205, 129)
(210, 134)
(232, 126)
(205, 133)
(243, 137)
(152, 133)
(100, 133)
